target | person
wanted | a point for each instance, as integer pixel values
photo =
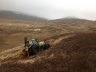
(32, 50)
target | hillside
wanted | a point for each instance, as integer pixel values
(72, 20)
(13, 15)
(72, 40)
(75, 53)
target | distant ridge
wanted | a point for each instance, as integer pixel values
(70, 17)
(13, 15)
(72, 20)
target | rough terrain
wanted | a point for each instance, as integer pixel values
(73, 47)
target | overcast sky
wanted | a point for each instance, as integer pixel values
(53, 9)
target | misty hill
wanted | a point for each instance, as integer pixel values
(18, 16)
(72, 20)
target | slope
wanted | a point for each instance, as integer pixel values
(77, 53)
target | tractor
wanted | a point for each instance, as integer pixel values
(32, 47)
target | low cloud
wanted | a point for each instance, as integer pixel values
(52, 9)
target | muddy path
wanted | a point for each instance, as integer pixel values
(12, 53)
(75, 53)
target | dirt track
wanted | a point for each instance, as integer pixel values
(6, 54)
(73, 54)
